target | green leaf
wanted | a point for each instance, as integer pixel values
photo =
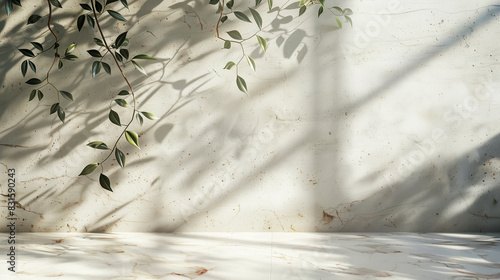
(91, 22)
(106, 67)
(322, 2)
(114, 118)
(54, 108)
(119, 57)
(123, 92)
(320, 11)
(213, 2)
(27, 52)
(306, 3)
(38, 46)
(242, 85)
(125, 4)
(70, 49)
(40, 95)
(80, 22)
(24, 67)
(120, 157)
(124, 53)
(98, 6)
(94, 53)
(60, 64)
(229, 65)
(120, 39)
(257, 2)
(143, 56)
(149, 115)
(32, 66)
(262, 43)
(33, 18)
(235, 34)
(98, 145)
(139, 118)
(56, 3)
(61, 114)
(242, 16)
(66, 95)
(121, 102)
(230, 4)
(347, 12)
(227, 44)
(139, 67)
(89, 169)
(270, 4)
(251, 62)
(302, 10)
(71, 57)
(256, 17)
(132, 138)
(105, 183)
(99, 42)
(32, 94)
(96, 68)
(116, 15)
(86, 7)
(223, 19)
(338, 22)
(33, 81)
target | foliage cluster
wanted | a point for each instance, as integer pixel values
(112, 54)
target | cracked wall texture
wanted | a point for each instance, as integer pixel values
(389, 125)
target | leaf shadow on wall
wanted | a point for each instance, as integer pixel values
(69, 192)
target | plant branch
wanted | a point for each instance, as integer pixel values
(124, 77)
(220, 18)
(55, 36)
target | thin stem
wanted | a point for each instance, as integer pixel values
(57, 91)
(329, 9)
(45, 50)
(55, 36)
(220, 18)
(233, 41)
(124, 77)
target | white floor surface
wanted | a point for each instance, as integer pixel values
(254, 256)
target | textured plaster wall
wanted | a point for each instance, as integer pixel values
(391, 125)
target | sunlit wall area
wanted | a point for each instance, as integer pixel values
(386, 125)
(421, 141)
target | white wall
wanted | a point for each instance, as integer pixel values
(391, 125)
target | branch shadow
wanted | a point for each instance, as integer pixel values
(68, 193)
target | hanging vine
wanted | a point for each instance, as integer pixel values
(114, 52)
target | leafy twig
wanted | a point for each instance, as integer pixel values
(124, 77)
